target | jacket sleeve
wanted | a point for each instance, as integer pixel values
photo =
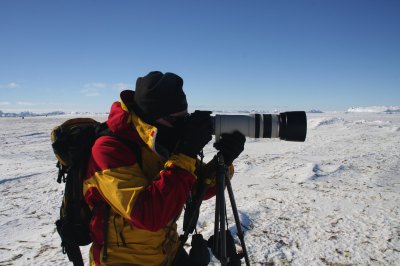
(147, 204)
(163, 199)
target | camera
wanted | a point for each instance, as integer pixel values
(289, 126)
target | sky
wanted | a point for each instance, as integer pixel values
(239, 55)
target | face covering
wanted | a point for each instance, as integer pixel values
(166, 139)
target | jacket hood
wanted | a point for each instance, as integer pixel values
(127, 124)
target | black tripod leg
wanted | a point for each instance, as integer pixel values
(237, 220)
(221, 172)
(216, 223)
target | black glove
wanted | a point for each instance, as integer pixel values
(199, 255)
(196, 133)
(231, 145)
(234, 257)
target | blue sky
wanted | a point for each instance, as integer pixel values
(263, 55)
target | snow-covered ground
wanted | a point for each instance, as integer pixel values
(332, 200)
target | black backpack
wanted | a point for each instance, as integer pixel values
(72, 143)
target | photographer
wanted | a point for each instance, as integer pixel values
(138, 186)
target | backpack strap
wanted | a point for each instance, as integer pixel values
(105, 222)
(73, 185)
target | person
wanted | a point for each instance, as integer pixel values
(137, 197)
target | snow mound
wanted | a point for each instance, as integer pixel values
(323, 121)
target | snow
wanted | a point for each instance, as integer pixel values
(332, 200)
(375, 109)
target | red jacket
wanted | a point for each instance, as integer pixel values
(145, 201)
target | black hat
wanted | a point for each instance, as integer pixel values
(158, 95)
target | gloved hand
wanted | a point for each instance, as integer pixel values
(196, 133)
(231, 145)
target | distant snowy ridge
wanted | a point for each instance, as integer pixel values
(260, 111)
(32, 114)
(315, 111)
(370, 109)
(29, 114)
(375, 109)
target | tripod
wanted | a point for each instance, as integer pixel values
(219, 245)
(220, 214)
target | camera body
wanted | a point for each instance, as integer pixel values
(289, 126)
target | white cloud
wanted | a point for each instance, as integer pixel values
(94, 89)
(11, 85)
(90, 92)
(4, 103)
(98, 85)
(25, 103)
